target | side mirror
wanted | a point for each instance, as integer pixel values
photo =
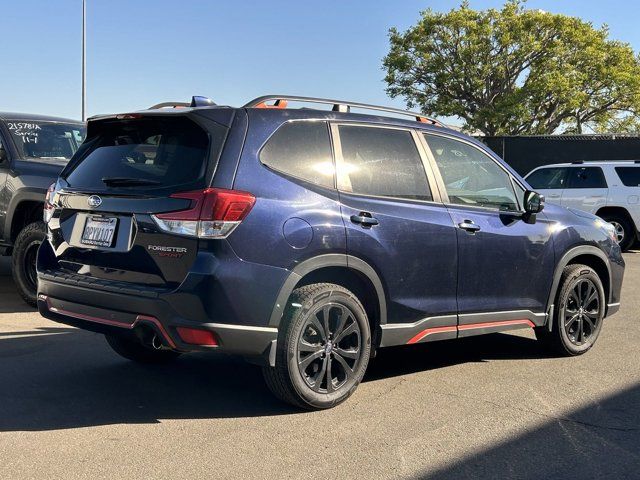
(533, 202)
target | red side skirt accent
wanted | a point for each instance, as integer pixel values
(471, 326)
(431, 331)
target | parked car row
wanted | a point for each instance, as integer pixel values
(306, 239)
(608, 189)
(33, 151)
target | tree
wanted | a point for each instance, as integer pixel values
(515, 71)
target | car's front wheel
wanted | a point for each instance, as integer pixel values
(579, 313)
(23, 258)
(324, 343)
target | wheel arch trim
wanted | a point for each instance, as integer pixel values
(564, 261)
(322, 261)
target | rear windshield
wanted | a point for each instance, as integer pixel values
(146, 153)
(47, 141)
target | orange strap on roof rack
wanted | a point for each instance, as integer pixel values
(280, 103)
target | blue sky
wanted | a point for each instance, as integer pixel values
(142, 52)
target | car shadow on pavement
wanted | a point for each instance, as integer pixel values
(56, 378)
(73, 379)
(600, 441)
(10, 301)
(395, 361)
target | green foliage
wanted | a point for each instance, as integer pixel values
(515, 71)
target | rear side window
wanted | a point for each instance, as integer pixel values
(548, 178)
(630, 176)
(586, 177)
(302, 150)
(157, 152)
(382, 162)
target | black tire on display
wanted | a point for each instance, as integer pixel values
(324, 344)
(625, 231)
(579, 312)
(23, 259)
(134, 350)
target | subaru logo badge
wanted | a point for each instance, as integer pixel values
(94, 201)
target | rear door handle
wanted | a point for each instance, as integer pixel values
(469, 226)
(365, 219)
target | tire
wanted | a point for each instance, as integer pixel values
(305, 350)
(23, 260)
(579, 314)
(625, 230)
(135, 351)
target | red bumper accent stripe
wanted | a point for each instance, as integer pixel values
(106, 321)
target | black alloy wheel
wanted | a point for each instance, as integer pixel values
(323, 347)
(329, 348)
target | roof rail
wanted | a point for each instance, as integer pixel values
(338, 106)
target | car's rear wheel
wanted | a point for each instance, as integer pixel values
(579, 314)
(23, 258)
(324, 343)
(135, 350)
(625, 232)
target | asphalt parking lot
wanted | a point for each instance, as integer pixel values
(486, 407)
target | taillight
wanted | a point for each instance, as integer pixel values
(213, 213)
(48, 203)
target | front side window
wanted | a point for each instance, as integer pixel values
(46, 141)
(548, 178)
(586, 177)
(630, 176)
(302, 150)
(470, 176)
(381, 162)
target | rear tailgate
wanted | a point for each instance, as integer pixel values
(102, 226)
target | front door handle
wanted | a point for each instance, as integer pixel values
(469, 226)
(365, 219)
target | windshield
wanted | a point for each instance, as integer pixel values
(154, 152)
(46, 140)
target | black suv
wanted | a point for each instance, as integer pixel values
(304, 239)
(33, 151)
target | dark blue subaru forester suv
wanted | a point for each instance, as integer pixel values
(304, 239)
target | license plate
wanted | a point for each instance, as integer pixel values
(99, 231)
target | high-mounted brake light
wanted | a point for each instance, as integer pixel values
(128, 116)
(213, 213)
(49, 207)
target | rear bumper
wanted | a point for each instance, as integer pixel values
(125, 314)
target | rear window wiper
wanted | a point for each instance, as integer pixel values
(128, 182)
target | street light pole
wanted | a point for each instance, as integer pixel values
(84, 60)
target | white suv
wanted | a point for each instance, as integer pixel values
(608, 189)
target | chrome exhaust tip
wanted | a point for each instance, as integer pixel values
(156, 343)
